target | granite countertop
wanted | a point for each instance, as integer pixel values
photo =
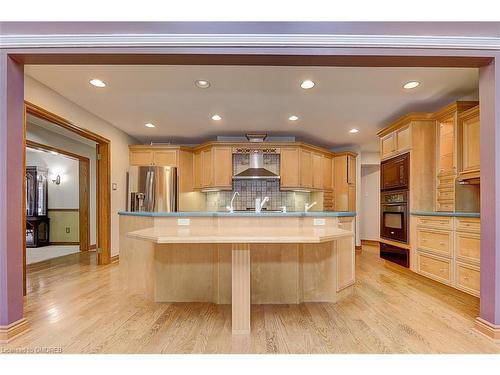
(241, 214)
(452, 214)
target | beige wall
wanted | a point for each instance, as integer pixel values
(369, 212)
(41, 95)
(59, 221)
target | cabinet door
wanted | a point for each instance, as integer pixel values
(446, 151)
(141, 157)
(289, 167)
(197, 170)
(471, 148)
(341, 186)
(165, 158)
(206, 168)
(387, 145)
(351, 196)
(317, 162)
(327, 173)
(403, 140)
(345, 263)
(306, 172)
(223, 167)
(351, 169)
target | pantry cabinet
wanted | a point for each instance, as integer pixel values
(469, 128)
(345, 181)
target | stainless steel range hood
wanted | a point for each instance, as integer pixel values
(256, 170)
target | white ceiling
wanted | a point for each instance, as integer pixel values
(256, 98)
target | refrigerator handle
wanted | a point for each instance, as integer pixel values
(149, 191)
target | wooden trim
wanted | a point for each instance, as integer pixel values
(404, 120)
(23, 234)
(459, 106)
(486, 328)
(13, 330)
(41, 146)
(93, 247)
(370, 242)
(104, 203)
(62, 122)
(84, 204)
(64, 243)
(115, 258)
(358, 247)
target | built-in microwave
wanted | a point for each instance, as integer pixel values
(395, 173)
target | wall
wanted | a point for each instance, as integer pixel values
(41, 95)
(369, 211)
(41, 135)
(63, 199)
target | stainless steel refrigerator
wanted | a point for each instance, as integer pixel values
(152, 189)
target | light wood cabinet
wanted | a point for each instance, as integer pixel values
(471, 151)
(222, 167)
(165, 158)
(317, 171)
(395, 143)
(206, 168)
(197, 170)
(306, 171)
(289, 167)
(345, 261)
(345, 182)
(447, 249)
(141, 157)
(327, 166)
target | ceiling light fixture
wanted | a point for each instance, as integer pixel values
(293, 118)
(202, 84)
(411, 85)
(307, 84)
(354, 131)
(97, 83)
(216, 118)
(150, 125)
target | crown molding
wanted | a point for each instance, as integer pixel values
(246, 40)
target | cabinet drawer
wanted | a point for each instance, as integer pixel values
(435, 267)
(468, 246)
(445, 206)
(468, 224)
(435, 241)
(435, 222)
(468, 278)
(445, 194)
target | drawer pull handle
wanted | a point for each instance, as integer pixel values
(466, 278)
(441, 243)
(443, 270)
(424, 240)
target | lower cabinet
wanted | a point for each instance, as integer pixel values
(448, 250)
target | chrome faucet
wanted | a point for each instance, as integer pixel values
(260, 203)
(230, 208)
(308, 206)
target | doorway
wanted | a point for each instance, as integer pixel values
(102, 182)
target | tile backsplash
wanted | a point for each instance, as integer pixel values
(251, 189)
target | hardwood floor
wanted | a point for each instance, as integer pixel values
(77, 306)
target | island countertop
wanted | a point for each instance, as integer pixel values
(217, 234)
(240, 214)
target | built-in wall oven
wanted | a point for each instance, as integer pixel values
(394, 225)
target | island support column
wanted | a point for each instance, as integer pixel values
(240, 288)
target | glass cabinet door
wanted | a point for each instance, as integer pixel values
(42, 194)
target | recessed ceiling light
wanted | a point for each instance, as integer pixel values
(293, 118)
(54, 152)
(354, 131)
(216, 118)
(97, 83)
(411, 85)
(307, 84)
(150, 125)
(202, 84)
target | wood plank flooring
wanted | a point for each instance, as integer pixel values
(80, 307)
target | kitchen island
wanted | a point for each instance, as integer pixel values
(266, 258)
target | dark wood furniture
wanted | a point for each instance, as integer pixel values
(37, 221)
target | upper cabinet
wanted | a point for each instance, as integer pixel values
(305, 168)
(449, 153)
(344, 166)
(213, 168)
(469, 129)
(141, 156)
(395, 143)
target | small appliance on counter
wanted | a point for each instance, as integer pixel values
(152, 189)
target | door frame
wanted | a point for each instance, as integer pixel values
(83, 190)
(103, 177)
